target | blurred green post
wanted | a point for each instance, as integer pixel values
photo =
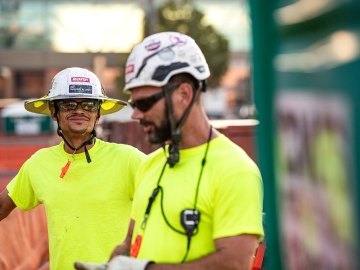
(306, 78)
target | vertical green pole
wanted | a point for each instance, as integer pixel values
(316, 78)
(263, 50)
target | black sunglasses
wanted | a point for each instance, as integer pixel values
(71, 105)
(145, 104)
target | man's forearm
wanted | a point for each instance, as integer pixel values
(210, 262)
(233, 253)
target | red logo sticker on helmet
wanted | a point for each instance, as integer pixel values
(153, 45)
(80, 79)
(177, 40)
(129, 69)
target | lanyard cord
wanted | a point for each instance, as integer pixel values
(187, 233)
(152, 199)
(203, 161)
(158, 189)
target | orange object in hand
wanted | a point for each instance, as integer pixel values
(259, 257)
(135, 247)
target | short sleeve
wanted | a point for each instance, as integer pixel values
(21, 190)
(238, 204)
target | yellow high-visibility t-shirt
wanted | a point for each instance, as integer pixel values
(87, 210)
(230, 200)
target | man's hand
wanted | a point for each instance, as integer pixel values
(122, 249)
(117, 263)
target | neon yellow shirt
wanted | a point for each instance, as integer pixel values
(230, 200)
(88, 210)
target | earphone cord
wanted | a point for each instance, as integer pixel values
(158, 189)
(203, 161)
(187, 233)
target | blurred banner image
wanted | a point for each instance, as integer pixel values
(315, 181)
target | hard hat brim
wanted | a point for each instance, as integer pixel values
(41, 105)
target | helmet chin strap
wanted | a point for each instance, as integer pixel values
(174, 153)
(89, 141)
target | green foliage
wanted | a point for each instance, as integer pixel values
(182, 16)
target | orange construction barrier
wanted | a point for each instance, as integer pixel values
(24, 240)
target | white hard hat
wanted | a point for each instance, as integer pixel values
(73, 83)
(160, 56)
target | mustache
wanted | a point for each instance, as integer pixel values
(77, 115)
(145, 122)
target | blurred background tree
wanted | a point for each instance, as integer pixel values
(9, 31)
(182, 16)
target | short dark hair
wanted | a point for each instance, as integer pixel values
(184, 77)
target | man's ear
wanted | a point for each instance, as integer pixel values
(186, 93)
(52, 112)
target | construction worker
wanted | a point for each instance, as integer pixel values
(85, 183)
(198, 204)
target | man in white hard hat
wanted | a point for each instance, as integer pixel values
(85, 184)
(199, 201)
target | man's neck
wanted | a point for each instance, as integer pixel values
(77, 142)
(195, 136)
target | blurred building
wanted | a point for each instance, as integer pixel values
(40, 37)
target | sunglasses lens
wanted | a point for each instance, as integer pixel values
(90, 105)
(146, 104)
(70, 105)
(67, 105)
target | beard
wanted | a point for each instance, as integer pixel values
(160, 134)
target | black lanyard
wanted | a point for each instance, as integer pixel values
(159, 189)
